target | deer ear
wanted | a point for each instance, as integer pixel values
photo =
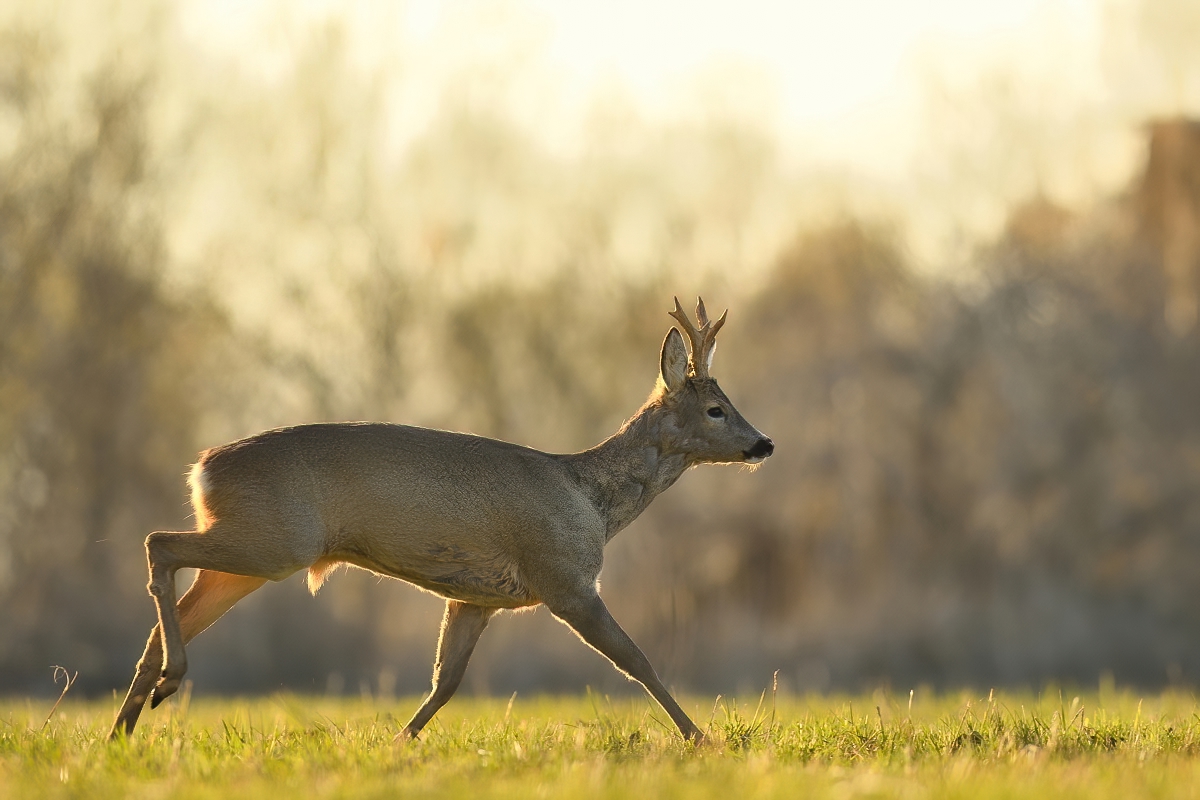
(674, 361)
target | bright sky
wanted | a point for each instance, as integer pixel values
(826, 63)
(885, 91)
(829, 76)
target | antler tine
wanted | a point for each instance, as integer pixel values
(702, 315)
(716, 326)
(678, 313)
(708, 345)
(703, 338)
(695, 336)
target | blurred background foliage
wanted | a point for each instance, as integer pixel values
(985, 474)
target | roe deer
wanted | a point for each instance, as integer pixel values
(485, 524)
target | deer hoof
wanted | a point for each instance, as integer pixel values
(165, 688)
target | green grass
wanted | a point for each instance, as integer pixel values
(1099, 745)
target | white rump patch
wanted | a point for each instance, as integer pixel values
(198, 481)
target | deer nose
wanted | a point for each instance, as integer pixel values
(761, 449)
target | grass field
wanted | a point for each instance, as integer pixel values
(1106, 744)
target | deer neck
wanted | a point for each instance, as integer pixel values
(625, 472)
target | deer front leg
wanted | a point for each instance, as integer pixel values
(461, 627)
(590, 618)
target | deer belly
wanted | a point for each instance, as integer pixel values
(449, 572)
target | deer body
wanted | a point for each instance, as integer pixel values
(486, 524)
(449, 512)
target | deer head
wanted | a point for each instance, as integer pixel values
(704, 422)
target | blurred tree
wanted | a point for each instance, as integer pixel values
(981, 480)
(102, 372)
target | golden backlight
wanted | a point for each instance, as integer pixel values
(959, 243)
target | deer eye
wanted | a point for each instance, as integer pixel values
(716, 412)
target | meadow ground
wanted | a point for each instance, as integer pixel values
(1098, 744)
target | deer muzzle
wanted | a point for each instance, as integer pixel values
(761, 449)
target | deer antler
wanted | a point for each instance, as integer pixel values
(703, 339)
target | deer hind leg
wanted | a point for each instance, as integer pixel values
(210, 596)
(220, 549)
(461, 628)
